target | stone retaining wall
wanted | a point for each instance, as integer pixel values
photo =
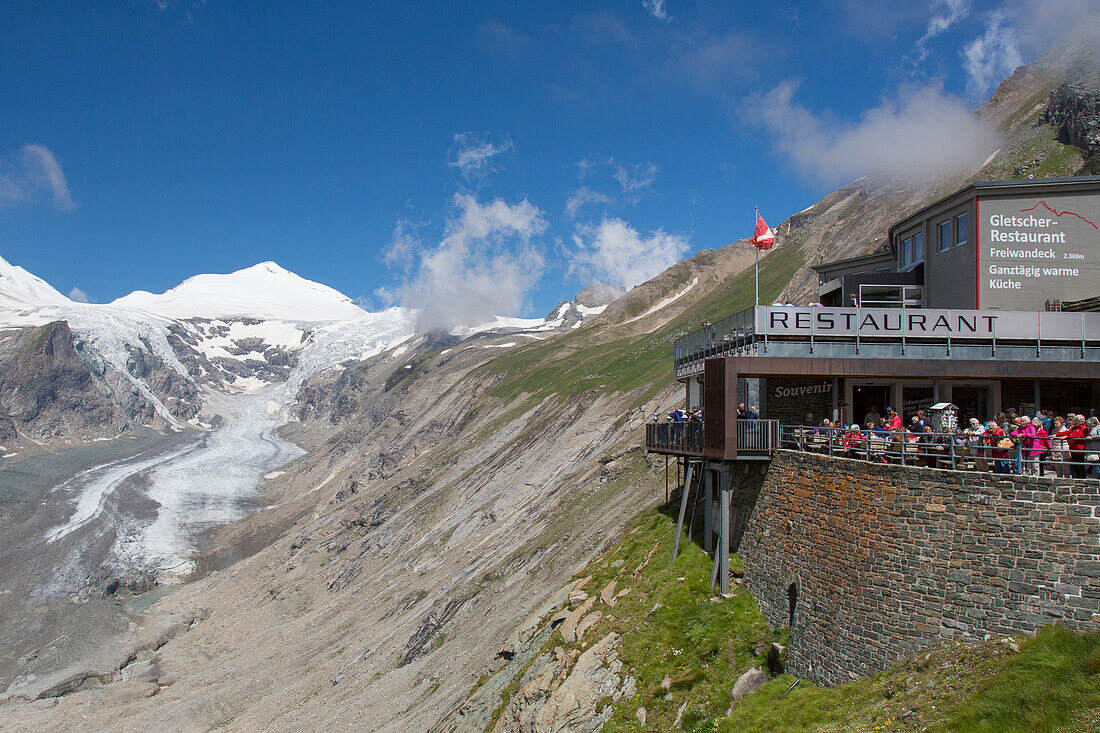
(881, 561)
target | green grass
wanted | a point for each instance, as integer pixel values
(1052, 684)
(702, 643)
(1054, 679)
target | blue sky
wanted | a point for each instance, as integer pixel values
(421, 152)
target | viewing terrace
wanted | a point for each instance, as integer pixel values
(892, 333)
(955, 450)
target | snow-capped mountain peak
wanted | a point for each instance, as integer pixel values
(264, 291)
(22, 289)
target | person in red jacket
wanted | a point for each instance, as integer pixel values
(855, 443)
(1077, 437)
(994, 435)
(893, 419)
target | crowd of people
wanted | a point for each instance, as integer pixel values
(1045, 444)
(695, 414)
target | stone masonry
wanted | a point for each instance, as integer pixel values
(881, 561)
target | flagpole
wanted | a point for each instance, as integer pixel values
(754, 219)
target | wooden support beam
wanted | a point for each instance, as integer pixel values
(683, 510)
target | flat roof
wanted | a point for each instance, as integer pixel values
(978, 187)
(884, 255)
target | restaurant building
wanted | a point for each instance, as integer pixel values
(981, 300)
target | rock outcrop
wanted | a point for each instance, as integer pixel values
(1074, 113)
(46, 389)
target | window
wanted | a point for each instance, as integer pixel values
(961, 234)
(906, 251)
(918, 248)
(945, 236)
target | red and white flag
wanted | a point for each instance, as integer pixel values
(763, 237)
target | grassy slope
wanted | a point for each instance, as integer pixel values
(703, 643)
(598, 358)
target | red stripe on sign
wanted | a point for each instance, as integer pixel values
(977, 254)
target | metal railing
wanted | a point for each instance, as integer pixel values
(733, 335)
(757, 435)
(686, 438)
(956, 451)
(683, 438)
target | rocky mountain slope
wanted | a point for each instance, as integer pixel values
(453, 486)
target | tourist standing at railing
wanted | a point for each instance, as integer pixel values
(1077, 438)
(976, 443)
(1000, 446)
(1093, 448)
(1059, 448)
(1024, 434)
(1033, 452)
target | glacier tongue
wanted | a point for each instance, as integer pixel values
(249, 340)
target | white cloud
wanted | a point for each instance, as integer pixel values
(656, 8)
(614, 252)
(921, 135)
(634, 180)
(36, 171)
(992, 56)
(945, 13)
(485, 264)
(582, 197)
(1020, 30)
(404, 243)
(79, 296)
(384, 295)
(634, 176)
(474, 156)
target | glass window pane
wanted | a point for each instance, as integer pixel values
(960, 229)
(918, 247)
(945, 235)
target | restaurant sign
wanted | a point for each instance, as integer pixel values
(1031, 250)
(925, 323)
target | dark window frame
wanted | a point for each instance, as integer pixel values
(962, 234)
(949, 225)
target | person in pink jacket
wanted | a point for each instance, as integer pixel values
(1025, 438)
(1040, 446)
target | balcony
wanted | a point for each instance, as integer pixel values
(755, 438)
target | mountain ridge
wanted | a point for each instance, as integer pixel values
(451, 487)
